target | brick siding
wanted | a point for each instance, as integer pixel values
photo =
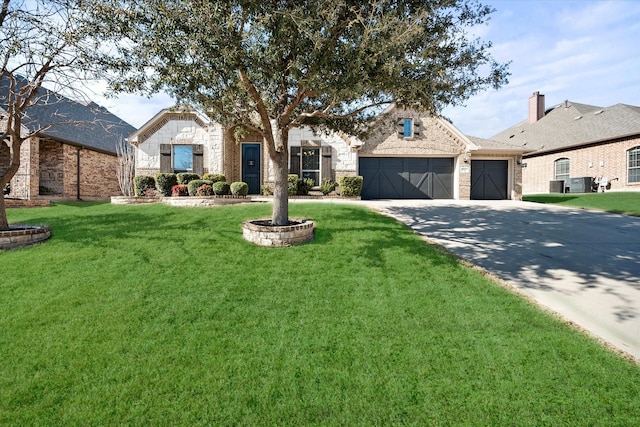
(602, 160)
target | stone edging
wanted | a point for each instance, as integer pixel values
(24, 203)
(23, 235)
(282, 235)
(181, 201)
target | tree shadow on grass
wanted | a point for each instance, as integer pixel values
(373, 236)
(544, 198)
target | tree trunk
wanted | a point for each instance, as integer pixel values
(280, 159)
(14, 164)
(4, 224)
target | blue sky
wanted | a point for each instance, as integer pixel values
(586, 51)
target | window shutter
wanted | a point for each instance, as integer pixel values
(294, 160)
(165, 158)
(325, 173)
(198, 159)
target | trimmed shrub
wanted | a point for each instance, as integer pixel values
(221, 188)
(185, 178)
(179, 190)
(304, 186)
(327, 186)
(267, 190)
(239, 188)
(204, 190)
(143, 183)
(351, 186)
(165, 182)
(195, 184)
(292, 181)
(214, 177)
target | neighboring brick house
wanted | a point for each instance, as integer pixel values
(575, 143)
(74, 158)
(413, 157)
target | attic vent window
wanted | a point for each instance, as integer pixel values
(599, 112)
(577, 118)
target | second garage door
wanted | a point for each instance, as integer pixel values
(406, 178)
(489, 179)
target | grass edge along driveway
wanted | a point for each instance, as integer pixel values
(166, 316)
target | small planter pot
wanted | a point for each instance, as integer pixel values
(262, 233)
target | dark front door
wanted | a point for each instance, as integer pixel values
(406, 178)
(489, 179)
(251, 167)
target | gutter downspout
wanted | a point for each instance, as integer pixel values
(78, 174)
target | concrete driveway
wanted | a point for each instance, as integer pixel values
(583, 265)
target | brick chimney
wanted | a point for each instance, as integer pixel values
(536, 107)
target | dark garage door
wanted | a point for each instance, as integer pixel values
(489, 179)
(406, 178)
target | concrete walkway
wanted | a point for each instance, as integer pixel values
(581, 264)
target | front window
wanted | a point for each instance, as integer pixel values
(182, 158)
(633, 162)
(311, 164)
(562, 170)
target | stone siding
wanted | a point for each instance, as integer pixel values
(433, 139)
(599, 160)
(179, 129)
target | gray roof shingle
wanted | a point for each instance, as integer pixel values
(72, 122)
(571, 124)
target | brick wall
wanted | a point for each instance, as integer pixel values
(603, 160)
(98, 176)
(51, 169)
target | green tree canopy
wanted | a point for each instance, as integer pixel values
(270, 66)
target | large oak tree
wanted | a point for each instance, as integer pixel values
(269, 66)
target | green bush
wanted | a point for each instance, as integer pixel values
(351, 186)
(179, 190)
(267, 190)
(195, 184)
(204, 190)
(142, 184)
(165, 181)
(221, 188)
(185, 178)
(327, 186)
(239, 188)
(304, 186)
(292, 181)
(214, 177)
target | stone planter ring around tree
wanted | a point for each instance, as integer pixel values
(20, 235)
(262, 233)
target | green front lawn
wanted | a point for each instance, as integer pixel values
(617, 201)
(153, 315)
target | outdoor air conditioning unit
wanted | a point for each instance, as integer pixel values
(556, 186)
(580, 184)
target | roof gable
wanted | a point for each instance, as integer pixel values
(71, 122)
(433, 136)
(165, 116)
